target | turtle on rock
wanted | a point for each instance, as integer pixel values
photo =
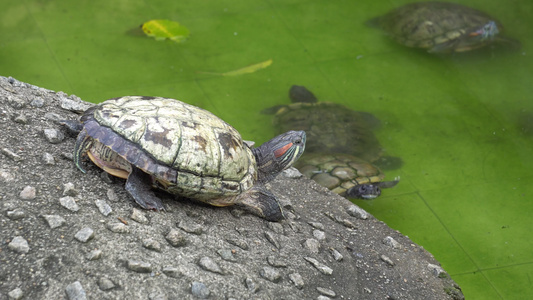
(183, 150)
(341, 146)
(441, 27)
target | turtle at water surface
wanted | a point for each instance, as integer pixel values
(344, 174)
(183, 150)
(441, 27)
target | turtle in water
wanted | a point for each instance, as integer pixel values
(441, 27)
(341, 145)
(345, 174)
(183, 150)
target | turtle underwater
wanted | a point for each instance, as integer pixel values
(183, 150)
(341, 145)
(441, 27)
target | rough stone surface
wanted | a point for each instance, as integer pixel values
(58, 266)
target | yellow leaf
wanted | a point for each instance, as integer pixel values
(249, 69)
(165, 29)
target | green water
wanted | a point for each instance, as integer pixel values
(466, 184)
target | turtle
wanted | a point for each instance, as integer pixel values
(339, 139)
(330, 127)
(163, 143)
(441, 27)
(344, 174)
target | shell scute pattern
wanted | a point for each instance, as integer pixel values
(163, 137)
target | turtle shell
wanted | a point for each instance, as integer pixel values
(439, 26)
(331, 128)
(338, 172)
(165, 137)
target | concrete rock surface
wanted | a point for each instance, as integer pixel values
(321, 251)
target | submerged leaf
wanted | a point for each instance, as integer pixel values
(165, 29)
(245, 70)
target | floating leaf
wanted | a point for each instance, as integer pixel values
(165, 29)
(245, 70)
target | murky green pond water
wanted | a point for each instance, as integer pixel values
(463, 124)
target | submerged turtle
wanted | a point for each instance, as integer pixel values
(330, 127)
(183, 150)
(341, 145)
(344, 174)
(441, 27)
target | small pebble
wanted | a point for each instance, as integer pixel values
(105, 284)
(276, 227)
(103, 207)
(199, 290)
(176, 238)
(75, 291)
(387, 260)
(297, 279)
(271, 238)
(208, 264)
(69, 203)
(312, 245)
(226, 254)
(390, 241)
(239, 243)
(317, 225)
(190, 227)
(48, 159)
(172, 272)
(270, 274)
(118, 227)
(15, 294)
(319, 266)
(12, 155)
(75, 106)
(151, 244)
(356, 211)
(436, 270)
(336, 254)
(53, 136)
(37, 102)
(28, 193)
(326, 292)
(6, 176)
(292, 173)
(250, 285)
(94, 255)
(138, 216)
(21, 119)
(322, 297)
(84, 235)
(139, 266)
(54, 221)
(16, 214)
(277, 262)
(70, 190)
(319, 235)
(19, 245)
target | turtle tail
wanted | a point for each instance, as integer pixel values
(83, 143)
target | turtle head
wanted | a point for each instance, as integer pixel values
(364, 191)
(278, 154)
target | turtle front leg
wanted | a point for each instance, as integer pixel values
(261, 202)
(139, 187)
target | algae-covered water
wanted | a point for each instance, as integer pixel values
(463, 124)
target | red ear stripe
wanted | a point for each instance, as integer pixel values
(281, 151)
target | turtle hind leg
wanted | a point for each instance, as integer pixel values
(139, 187)
(261, 202)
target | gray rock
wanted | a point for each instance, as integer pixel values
(386, 259)
(176, 238)
(319, 234)
(172, 272)
(84, 235)
(391, 242)
(336, 254)
(270, 274)
(317, 225)
(226, 255)
(53, 136)
(94, 255)
(276, 262)
(75, 291)
(16, 214)
(118, 227)
(137, 215)
(251, 285)
(239, 243)
(139, 266)
(151, 244)
(105, 284)
(436, 270)
(19, 245)
(190, 227)
(210, 265)
(326, 292)
(198, 289)
(28, 193)
(319, 266)
(48, 159)
(322, 297)
(54, 221)
(272, 239)
(356, 211)
(103, 207)
(15, 294)
(21, 119)
(70, 190)
(312, 245)
(12, 155)
(37, 102)
(75, 106)
(297, 279)
(69, 203)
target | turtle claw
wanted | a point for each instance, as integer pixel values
(139, 188)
